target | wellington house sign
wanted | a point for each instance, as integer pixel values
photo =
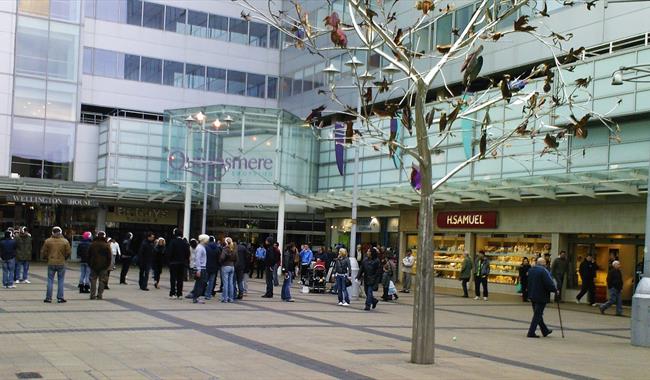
(467, 219)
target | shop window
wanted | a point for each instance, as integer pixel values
(173, 73)
(255, 85)
(34, 7)
(132, 67)
(506, 253)
(238, 31)
(88, 61)
(62, 60)
(151, 70)
(153, 15)
(443, 30)
(61, 101)
(274, 38)
(31, 46)
(175, 19)
(108, 63)
(29, 97)
(134, 12)
(272, 88)
(110, 10)
(195, 76)
(258, 34)
(216, 80)
(218, 27)
(197, 24)
(236, 82)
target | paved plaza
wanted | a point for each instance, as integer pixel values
(133, 334)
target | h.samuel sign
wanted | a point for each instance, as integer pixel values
(467, 219)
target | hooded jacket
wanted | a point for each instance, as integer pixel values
(24, 246)
(99, 255)
(56, 250)
(8, 248)
(178, 251)
(82, 250)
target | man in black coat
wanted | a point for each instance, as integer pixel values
(588, 269)
(540, 286)
(269, 265)
(614, 287)
(127, 254)
(370, 273)
(241, 267)
(213, 254)
(145, 256)
(178, 255)
(99, 260)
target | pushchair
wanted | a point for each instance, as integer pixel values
(317, 281)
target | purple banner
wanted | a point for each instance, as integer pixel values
(339, 146)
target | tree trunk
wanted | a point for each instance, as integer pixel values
(423, 335)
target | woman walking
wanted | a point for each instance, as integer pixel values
(228, 260)
(158, 260)
(523, 278)
(343, 272)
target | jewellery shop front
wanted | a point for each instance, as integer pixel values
(511, 232)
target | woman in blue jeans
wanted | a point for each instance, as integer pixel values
(342, 271)
(288, 270)
(8, 254)
(228, 260)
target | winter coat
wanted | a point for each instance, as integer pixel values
(228, 257)
(242, 259)
(615, 279)
(145, 254)
(523, 273)
(8, 249)
(588, 271)
(213, 255)
(178, 251)
(482, 268)
(56, 250)
(342, 266)
(288, 261)
(540, 285)
(559, 267)
(158, 256)
(127, 249)
(370, 271)
(24, 247)
(271, 258)
(466, 269)
(99, 255)
(82, 250)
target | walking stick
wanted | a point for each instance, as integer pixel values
(560, 315)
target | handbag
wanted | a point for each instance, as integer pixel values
(518, 288)
(348, 282)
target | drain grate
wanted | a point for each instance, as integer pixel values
(29, 375)
(378, 351)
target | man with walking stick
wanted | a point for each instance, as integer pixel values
(540, 286)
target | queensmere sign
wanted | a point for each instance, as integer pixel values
(467, 219)
(45, 200)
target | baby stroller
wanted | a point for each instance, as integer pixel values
(317, 280)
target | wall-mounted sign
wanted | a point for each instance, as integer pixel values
(45, 200)
(467, 219)
(142, 215)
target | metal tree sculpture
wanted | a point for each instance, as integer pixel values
(374, 27)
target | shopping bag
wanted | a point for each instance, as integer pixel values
(391, 288)
(518, 288)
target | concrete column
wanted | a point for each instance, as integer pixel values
(281, 207)
(640, 331)
(101, 220)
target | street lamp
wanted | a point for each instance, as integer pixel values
(639, 333)
(390, 70)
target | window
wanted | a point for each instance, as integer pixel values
(197, 24)
(285, 87)
(58, 153)
(62, 60)
(173, 73)
(274, 38)
(110, 10)
(195, 76)
(255, 85)
(151, 70)
(88, 60)
(258, 34)
(463, 16)
(218, 28)
(89, 8)
(236, 82)
(443, 30)
(272, 88)
(31, 46)
(67, 10)
(319, 76)
(27, 147)
(61, 101)
(175, 19)
(297, 82)
(29, 97)
(308, 83)
(238, 31)
(35, 7)
(153, 15)
(131, 67)
(108, 64)
(134, 12)
(216, 80)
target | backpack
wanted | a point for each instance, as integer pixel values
(260, 253)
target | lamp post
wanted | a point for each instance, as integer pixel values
(640, 323)
(331, 71)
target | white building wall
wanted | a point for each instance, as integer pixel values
(7, 38)
(86, 153)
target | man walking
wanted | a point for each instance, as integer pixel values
(145, 255)
(540, 286)
(588, 269)
(614, 288)
(127, 255)
(99, 261)
(481, 276)
(23, 255)
(8, 255)
(269, 263)
(178, 253)
(241, 267)
(56, 250)
(559, 269)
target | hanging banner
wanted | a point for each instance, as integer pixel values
(339, 146)
(396, 128)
